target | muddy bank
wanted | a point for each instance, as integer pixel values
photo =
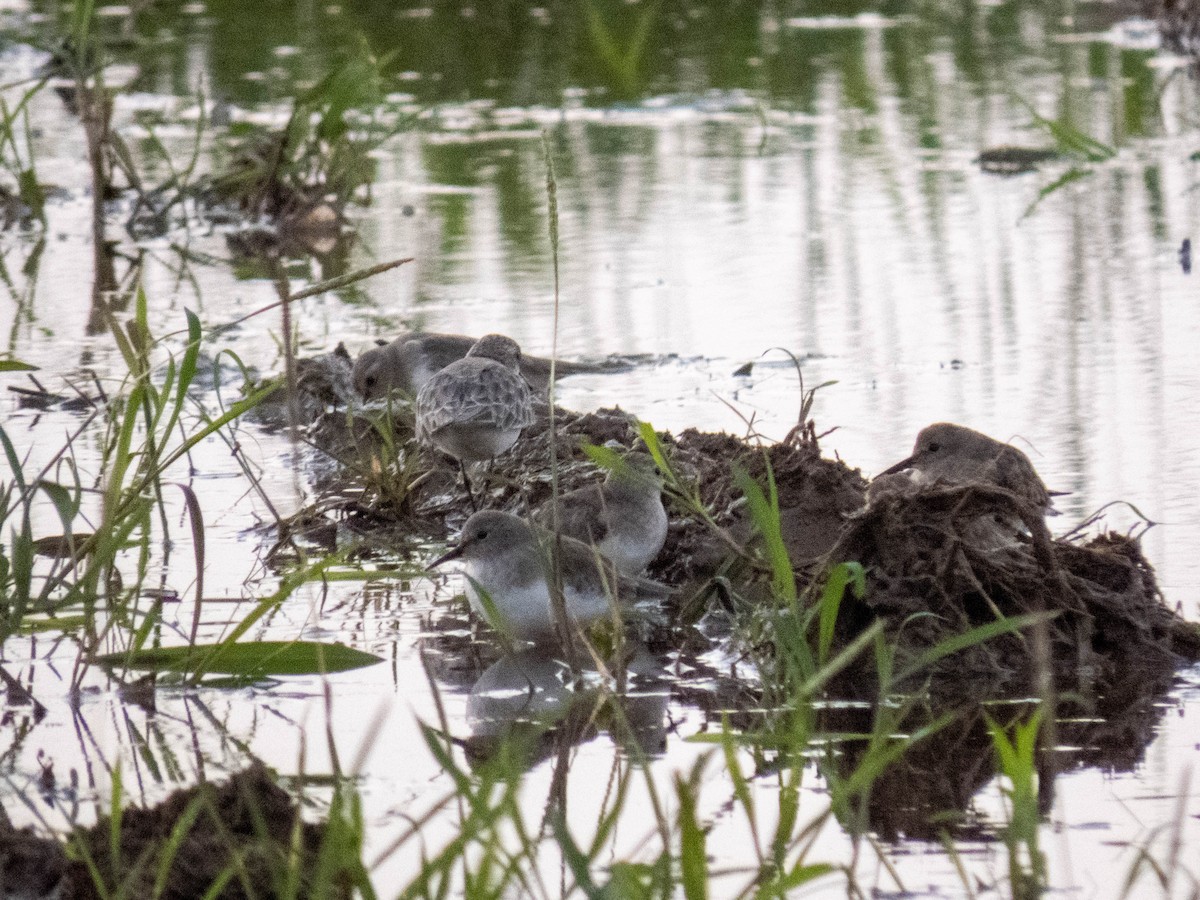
(245, 832)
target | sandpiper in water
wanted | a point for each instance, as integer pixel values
(623, 518)
(506, 568)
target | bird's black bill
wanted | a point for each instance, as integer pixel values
(446, 557)
(898, 467)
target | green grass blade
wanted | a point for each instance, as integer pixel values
(1072, 174)
(693, 859)
(974, 636)
(764, 511)
(66, 502)
(115, 811)
(252, 659)
(174, 841)
(235, 411)
(816, 683)
(843, 575)
(14, 463)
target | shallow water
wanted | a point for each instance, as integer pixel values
(795, 179)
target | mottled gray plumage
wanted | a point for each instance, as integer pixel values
(959, 455)
(410, 360)
(623, 518)
(474, 408)
(507, 561)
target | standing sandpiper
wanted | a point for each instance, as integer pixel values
(957, 455)
(474, 408)
(507, 561)
(623, 518)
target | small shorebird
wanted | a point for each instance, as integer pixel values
(623, 518)
(507, 562)
(412, 359)
(959, 455)
(475, 408)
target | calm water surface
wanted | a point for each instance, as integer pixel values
(784, 176)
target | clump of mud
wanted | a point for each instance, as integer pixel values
(247, 825)
(933, 572)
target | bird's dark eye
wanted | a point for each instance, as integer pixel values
(370, 380)
(934, 447)
(481, 535)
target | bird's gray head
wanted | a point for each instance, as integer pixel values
(368, 374)
(488, 534)
(944, 444)
(499, 347)
(948, 439)
(637, 467)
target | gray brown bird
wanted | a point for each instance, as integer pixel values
(475, 408)
(959, 455)
(507, 562)
(410, 360)
(623, 518)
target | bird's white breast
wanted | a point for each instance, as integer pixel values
(636, 535)
(525, 608)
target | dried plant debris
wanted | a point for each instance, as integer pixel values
(247, 824)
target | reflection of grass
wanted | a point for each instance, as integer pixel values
(496, 847)
(1074, 144)
(94, 585)
(17, 159)
(302, 176)
(622, 59)
(321, 158)
(147, 434)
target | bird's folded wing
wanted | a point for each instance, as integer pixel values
(581, 515)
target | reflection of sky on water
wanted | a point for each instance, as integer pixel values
(850, 227)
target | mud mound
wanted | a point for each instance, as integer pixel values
(943, 559)
(247, 826)
(815, 497)
(815, 494)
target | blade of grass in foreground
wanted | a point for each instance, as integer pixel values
(764, 510)
(250, 659)
(693, 861)
(1017, 758)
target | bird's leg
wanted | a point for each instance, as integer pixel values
(467, 481)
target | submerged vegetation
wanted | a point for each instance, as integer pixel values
(866, 666)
